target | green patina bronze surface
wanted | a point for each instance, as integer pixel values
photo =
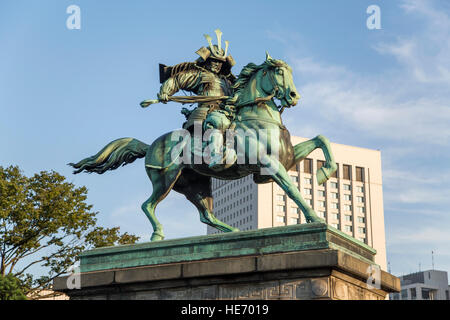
(247, 107)
(286, 239)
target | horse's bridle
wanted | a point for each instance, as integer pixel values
(276, 89)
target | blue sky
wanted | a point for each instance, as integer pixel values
(65, 93)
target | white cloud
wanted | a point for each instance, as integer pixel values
(427, 235)
(417, 195)
(420, 186)
(425, 55)
(372, 105)
(401, 176)
(407, 103)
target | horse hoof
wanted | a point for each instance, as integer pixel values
(311, 219)
(156, 237)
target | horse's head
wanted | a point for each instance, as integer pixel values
(276, 79)
(271, 79)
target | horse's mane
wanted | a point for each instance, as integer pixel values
(249, 71)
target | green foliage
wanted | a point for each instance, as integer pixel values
(44, 220)
(100, 237)
(11, 288)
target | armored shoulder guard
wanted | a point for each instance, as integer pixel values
(166, 72)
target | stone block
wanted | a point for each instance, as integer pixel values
(151, 273)
(296, 262)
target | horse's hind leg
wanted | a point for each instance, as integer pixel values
(162, 184)
(197, 189)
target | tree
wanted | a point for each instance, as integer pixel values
(44, 220)
(10, 288)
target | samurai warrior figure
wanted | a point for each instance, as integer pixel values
(209, 76)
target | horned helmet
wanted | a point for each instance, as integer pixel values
(216, 52)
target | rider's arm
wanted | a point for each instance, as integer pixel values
(185, 80)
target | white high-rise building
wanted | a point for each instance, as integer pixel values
(351, 200)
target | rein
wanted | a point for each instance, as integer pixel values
(264, 99)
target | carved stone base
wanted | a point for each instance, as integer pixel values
(331, 273)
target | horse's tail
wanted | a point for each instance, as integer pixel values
(113, 155)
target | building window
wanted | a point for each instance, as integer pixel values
(321, 193)
(347, 172)
(294, 179)
(347, 218)
(362, 239)
(347, 207)
(413, 293)
(348, 228)
(360, 199)
(335, 225)
(362, 230)
(333, 185)
(307, 191)
(336, 173)
(280, 219)
(361, 209)
(307, 166)
(335, 216)
(307, 181)
(347, 197)
(361, 220)
(294, 210)
(293, 220)
(347, 187)
(280, 198)
(280, 208)
(360, 189)
(334, 195)
(320, 164)
(404, 294)
(334, 205)
(309, 201)
(321, 204)
(447, 295)
(359, 174)
(425, 294)
(321, 214)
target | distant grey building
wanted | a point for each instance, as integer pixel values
(424, 285)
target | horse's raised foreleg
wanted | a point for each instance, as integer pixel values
(197, 189)
(162, 184)
(302, 150)
(281, 177)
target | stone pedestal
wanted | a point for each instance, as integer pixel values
(311, 261)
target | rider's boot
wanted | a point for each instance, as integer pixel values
(221, 157)
(216, 155)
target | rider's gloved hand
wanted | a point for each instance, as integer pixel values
(163, 97)
(230, 108)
